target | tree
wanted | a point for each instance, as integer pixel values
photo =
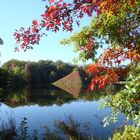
(3, 77)
(46, 72)
(115, 23)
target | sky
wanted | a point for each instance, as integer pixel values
(17, 13)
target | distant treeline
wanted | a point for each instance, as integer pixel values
(23, 72)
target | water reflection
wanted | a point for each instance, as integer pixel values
(46, 95)
(40, 95)
(41, 105)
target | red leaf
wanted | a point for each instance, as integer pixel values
(51, 1)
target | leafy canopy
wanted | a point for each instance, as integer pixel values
(115, 23)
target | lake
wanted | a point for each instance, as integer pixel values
(42, 105)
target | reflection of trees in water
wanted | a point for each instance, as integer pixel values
(36, 95)
(27, 92)
(67, 129)
(44, 95)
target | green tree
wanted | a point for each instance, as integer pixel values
(115, 24)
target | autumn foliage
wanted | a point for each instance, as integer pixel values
(117, 22)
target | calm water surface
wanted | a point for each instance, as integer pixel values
(42, 105)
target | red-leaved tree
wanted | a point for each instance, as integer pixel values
(115, 23)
